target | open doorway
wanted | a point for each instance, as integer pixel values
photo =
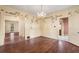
(11, 31)
(63, 31)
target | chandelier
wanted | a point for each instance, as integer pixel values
(41, 13)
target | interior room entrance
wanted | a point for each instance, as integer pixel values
(11, 31)
(63, 31)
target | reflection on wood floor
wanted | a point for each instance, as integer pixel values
(39, 45)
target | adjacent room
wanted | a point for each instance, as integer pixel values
(39, 29)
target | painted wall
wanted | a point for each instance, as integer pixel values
(21, 26)
(51, 28)
(2, 29)
(32, 28)
(74, 29)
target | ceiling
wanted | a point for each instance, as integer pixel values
(34, 9)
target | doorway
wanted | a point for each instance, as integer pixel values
(11, 31)
(63, 31)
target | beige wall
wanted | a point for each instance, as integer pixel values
(2, 29)
(74, 29)
(32, 28)
(51, 28)
(21, 26)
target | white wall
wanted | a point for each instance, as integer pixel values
(74, 29)
(21, 26)
(51, 28)
(2, 29)
(32, 28)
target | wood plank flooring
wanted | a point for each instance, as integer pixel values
(40, 45)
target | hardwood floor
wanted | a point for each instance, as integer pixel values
(16, 39)
(40, 45)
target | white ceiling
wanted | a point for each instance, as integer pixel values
(34, 9)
